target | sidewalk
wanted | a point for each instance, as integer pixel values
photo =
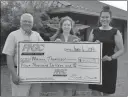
(122, 81)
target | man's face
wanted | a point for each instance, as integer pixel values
(26, 23)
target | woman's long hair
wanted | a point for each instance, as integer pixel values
(60, 30)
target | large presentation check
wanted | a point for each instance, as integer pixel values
(50, 62)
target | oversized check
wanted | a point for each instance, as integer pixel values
(50, 62)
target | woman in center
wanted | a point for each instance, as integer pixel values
(65, 34)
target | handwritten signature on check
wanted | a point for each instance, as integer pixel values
(77, 77)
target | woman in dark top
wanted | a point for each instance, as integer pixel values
(111, 39)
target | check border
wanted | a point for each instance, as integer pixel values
(78, 82)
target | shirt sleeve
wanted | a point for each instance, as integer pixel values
(9, 47)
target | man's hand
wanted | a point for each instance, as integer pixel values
(16, 79)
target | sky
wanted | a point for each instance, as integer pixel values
(119, 4)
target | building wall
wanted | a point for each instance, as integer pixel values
(92, 22)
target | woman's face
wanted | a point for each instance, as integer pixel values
(105, 18)
(66, 26)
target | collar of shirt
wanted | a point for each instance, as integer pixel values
(25, 32)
